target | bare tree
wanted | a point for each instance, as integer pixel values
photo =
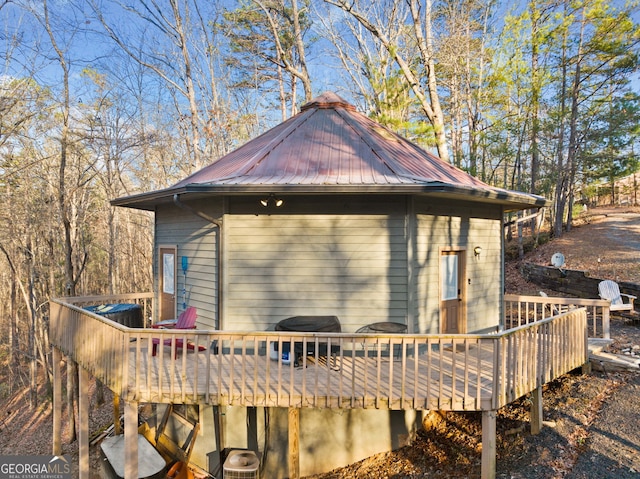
(369, 67)
(268, 37)
(419, 34)
(463, 62)
(174, 42)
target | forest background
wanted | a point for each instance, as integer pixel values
(104, 98)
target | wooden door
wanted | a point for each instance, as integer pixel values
(452, 293)
(167, 258)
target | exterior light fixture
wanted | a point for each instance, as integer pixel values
(477, 250)
(272, 200)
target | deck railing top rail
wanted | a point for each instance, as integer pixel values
(108, 298)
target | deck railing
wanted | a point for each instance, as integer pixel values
(533, 354)
(97, 344)
(519, 310)
(337, 370)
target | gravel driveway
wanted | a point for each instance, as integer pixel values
(607, 247)
(613, 447)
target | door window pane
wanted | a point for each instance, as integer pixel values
(449, 272)
(168, 269)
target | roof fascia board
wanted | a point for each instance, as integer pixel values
(512, 200)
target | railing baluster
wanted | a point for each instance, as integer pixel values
(341, 383)
(441, 369)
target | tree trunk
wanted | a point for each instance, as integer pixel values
(13, 314)
(535, 102)
(560, 168)
(70, 280)
(31, 311)
(188, 79)
(297, 32)
(428, 58)
(566, 180)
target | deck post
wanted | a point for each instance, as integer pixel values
(130, 440)
(294, 443)
(535, 413)
(116, 415)
(488, 467)
(83, 426)
(57, 402)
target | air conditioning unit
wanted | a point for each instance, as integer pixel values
(241, 465)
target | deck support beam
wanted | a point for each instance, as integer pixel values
(488, 466)
(294, 443)
(535, 413)
(57, 402)
(130, 440)
(83, 426)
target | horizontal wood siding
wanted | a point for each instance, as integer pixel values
(350, 266)
(462, 226)
(197, 239)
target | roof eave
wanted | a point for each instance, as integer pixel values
(509, 200)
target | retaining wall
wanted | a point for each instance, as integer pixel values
(573, 282)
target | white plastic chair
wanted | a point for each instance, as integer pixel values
(610, 290)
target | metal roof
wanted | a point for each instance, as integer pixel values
(329, 147)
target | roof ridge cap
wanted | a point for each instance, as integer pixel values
(328, 100)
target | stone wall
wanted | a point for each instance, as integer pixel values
(573, 282)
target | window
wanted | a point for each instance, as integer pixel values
(449, 275)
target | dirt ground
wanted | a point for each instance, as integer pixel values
(591, 421)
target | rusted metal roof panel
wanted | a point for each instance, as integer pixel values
(330, 145)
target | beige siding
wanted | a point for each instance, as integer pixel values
(278, 266)
(465, 227)
(196, 238)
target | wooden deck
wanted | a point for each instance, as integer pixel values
(547, 337)
(393, 371)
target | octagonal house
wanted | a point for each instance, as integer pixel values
(328, 214)
(331, 213)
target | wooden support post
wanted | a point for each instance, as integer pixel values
(130, 440)
(57, 403)
(72, 374)
(294, 443)
(488, 467)
(117, 430)
(83, 419)
(535, 414)
(606, 328)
